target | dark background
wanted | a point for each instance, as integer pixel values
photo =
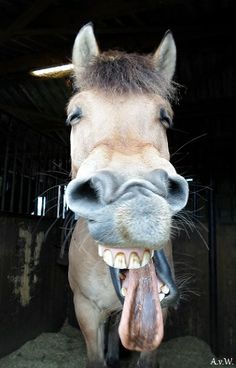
(34, 155)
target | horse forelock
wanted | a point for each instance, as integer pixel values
(120, 72)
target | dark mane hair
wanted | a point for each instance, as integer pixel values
(120, 72)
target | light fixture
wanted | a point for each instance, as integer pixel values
(53, 72)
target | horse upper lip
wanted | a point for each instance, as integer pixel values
(141, 185)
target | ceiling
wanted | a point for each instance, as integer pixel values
(40, 33)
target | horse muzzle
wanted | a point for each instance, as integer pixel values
(137, 211)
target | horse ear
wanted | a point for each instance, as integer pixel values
(85, 47)
(165, 56)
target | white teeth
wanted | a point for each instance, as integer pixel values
(146, 258)
(165, 289)
(107, 256)
(127, 259)
(134, 261)
(161, 296)
(100, 250)
(120, 261)
(123, 291)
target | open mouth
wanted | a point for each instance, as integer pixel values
(122, 260)
(144, 284)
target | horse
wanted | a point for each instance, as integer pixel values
(124, 192)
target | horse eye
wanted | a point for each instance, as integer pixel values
(165, 119)
(74, 116)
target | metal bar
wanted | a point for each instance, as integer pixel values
(37, 176)
(195, 204)
(58, 200)
(46, 178)
(54, 155)
(64, 202)
(213, 275)
(44, 206)
(28, 209)
(13, 180)
(5, 176)
(22, 180)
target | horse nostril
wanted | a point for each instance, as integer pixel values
(177, 193)
(85, 191)
(173, 188)
(82, 197)
(92, 194)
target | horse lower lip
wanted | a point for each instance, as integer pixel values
(164, 273)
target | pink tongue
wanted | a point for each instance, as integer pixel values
(141, 325)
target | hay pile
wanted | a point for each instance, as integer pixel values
(66, 349)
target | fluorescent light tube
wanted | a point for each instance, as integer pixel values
(54, 70)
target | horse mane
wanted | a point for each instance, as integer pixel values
(120, 72)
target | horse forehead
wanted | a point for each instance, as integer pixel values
(122, 104)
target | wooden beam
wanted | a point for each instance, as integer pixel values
(25, 18)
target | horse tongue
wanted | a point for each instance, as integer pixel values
(141, 325)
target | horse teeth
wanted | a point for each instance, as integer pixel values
(165, 289)
(107, 257)
(123, 291)
(146, 258)
(161, 296)
(120, 261)
(127, 259)
(134, 261)
(100, 250)
(122, 276)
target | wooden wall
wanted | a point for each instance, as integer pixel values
(33, 287)
(194, 314)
